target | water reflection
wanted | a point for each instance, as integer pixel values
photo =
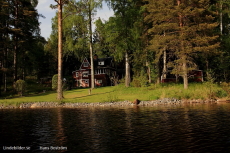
(184, 128)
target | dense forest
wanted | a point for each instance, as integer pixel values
(147, 37)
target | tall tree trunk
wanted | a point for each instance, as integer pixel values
(221, 17)
(5, 63)
(221, 33)
(16, 44)
(1, 74)
(158, 81)
(4, 73)
(148, 72)
(184, 66)
(5, 82)
(91, 49)
(15, 65)
(23, 67)
(164, 64)
(184, 58)
(207, 64)
(127, 70)
(59, 87)
(185, 73)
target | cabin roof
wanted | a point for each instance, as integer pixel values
(103, 62)
(98, 63)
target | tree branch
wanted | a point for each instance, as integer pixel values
(63, 2)
(53, 6)
(68, 15)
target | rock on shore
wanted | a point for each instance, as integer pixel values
(165, 101)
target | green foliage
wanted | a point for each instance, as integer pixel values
(123, 34)
(185, 30)
(142, 29)
(140, 81)
(225, 86)
(210, 76)
(111, 97)
(210, 83)
(20, 38)
(34, 87)
(55, 82)
(75, 28)
(136, 82)
(20, 87)
(221, 93)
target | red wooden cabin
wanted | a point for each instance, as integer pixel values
(193, 76)
(104, 72)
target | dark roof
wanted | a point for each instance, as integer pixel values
(107, 62)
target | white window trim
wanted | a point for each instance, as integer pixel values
(101, 63)
(85, 64)
(85, 74)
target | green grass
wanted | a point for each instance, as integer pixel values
(120, 93)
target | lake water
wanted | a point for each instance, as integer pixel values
(182, 128)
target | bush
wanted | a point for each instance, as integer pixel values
(225, 86)
(140, 81)
(136, 82)
(20, 87)
(55, 82)
(221, 93)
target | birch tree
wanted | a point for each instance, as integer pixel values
(123, 33)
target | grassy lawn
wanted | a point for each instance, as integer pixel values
(120, 93)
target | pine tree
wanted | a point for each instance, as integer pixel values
(19, 27)
(186, 28)
(60, 4)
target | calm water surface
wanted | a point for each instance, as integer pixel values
(186, 128)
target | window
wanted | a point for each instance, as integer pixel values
(85, 64)
(97, 71)
(101, 63)
(86, 81)
(85, 74)
(76, 74)
(99, 81)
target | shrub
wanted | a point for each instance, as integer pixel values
(122, 81)
(55, 82)
(221, 93)
(225, 86)
(20, 87)
(140, 81)
(136, 82)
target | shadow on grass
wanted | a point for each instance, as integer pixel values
(46, 93)
(40, 94)
(92, 95)
(36, 94)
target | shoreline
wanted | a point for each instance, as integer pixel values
(165, 101)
